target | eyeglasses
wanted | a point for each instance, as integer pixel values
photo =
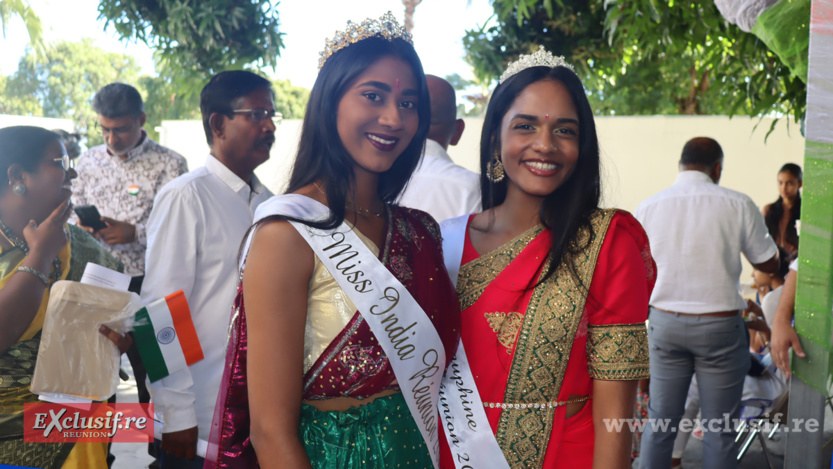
(66, 162)
(259, 115)
(120, 131)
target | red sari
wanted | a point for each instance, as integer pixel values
(545, 343)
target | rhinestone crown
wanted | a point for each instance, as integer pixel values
(539, 58)
(386, 26)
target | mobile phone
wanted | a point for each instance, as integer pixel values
(88, 216)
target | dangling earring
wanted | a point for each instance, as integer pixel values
(19, 188)
(494, 169)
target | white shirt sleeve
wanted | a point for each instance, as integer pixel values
(757, 245)
(173, 232)
(473, 204)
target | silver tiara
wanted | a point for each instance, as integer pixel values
(539, 58)
(386, 26)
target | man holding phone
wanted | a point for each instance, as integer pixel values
(116, 184)
(117, 181)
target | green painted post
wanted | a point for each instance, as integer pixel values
(814, 295)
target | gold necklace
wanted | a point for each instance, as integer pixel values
(54, 274)
(350, 204)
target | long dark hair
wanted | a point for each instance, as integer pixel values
(568, 208)
(321, 154)
(776, 210)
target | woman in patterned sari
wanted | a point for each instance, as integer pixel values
(37, 248)
(554, 290)
(307, 383)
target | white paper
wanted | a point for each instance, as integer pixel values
(100, 276)
(67, 399)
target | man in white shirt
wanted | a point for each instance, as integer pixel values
(438, 186)
(698, 231)
(194, 234)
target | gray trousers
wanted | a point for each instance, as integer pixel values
(716, 349)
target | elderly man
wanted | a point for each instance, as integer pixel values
(438, 186)
(194, 234)
(698, 230)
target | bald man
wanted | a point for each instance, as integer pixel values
(698, 231)
(438, 186)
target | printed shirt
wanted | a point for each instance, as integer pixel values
(698, 231)
(194, 236)
(440, 187)
(124, 190)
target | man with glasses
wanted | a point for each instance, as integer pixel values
(121, 178)
(194, 235)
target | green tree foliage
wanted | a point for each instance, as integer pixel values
(290, 100)
(15, 104)
(63, 86)
(644, 56)
(195, 39)
(21, 9)
(474, 92)
(64, 83)
(164, 102)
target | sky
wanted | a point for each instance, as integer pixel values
(439, 26)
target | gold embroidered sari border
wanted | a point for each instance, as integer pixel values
(543, 350)
(618, 351)
(477, 274)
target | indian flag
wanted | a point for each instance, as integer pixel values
(166, 337)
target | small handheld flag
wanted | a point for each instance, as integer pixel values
(166, 337)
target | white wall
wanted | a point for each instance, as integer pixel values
(45, 122)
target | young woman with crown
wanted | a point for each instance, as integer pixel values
(345, 316)
(554, 289)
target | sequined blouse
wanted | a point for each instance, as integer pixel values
(329, 309)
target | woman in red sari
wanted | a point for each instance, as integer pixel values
(554, 290)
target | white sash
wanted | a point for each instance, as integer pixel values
(467, 429)
(401, 327)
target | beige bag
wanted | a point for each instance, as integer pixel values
(74, 357)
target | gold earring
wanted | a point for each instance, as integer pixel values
(494, 169)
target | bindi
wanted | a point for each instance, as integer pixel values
(397, 83)
(546, 116)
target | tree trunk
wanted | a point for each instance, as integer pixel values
(690, 104)
(410, 7)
